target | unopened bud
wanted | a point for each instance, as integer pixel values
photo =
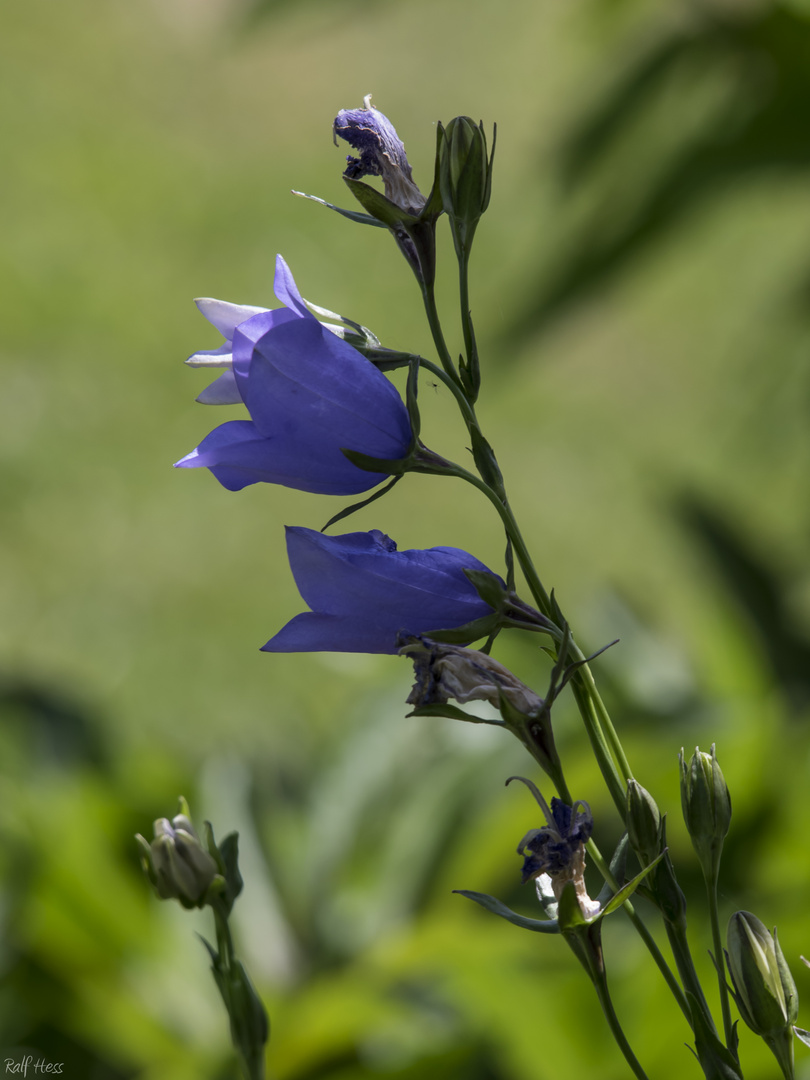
(643, 822)
(706, 807)
(176, 863)
(465, 177)
(764, 989)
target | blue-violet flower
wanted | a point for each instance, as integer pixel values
(309, 395)
(363, 592)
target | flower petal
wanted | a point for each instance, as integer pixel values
(222, 391)
(287, 291)
(216, 358)
(224, 315)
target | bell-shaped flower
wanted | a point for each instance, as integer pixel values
(363, 592)
(310, 395)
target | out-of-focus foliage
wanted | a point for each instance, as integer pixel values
(640, 296)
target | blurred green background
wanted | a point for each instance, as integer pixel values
(641, 289)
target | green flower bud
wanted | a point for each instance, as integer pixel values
(706, 808)
(465, 177)
(176, 863)
(764, 989)
(643, 822)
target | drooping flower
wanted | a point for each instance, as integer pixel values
(310, 395)
(449, 671)
(554, 855)
(382, 154)
(363, 592)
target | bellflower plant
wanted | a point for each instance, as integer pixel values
(325, 419)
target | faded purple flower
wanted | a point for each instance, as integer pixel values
(309, 394)
(450, 671)
(381, 154)
(555, 854)
(363, 592)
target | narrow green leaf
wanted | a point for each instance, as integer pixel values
(453, 713)
(349, 510)
(540, 926)
(363, 219)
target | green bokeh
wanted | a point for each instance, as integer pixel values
(640, 290)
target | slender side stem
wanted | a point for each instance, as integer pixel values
(251, 1060)
(600, 747)
(464, 303)
(429, 297)
(470, 347)
(599, 980)
(717, 942)
(224, 939)
(649, 941)
(603, 718)
(467, 411)
(686, 967)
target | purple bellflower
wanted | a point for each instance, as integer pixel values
(363, 592)
(309, 395)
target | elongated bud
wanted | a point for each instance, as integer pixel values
(643, 822)
(764, 989)
(176, 863)
(465, 178)
(706, 807)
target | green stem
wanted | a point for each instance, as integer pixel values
(717, 942)
(686, 968)
(599, 979)
(649, 941)
(429, 298)
(599, 746)
(604, 739)
(467, 411)
(464, 303)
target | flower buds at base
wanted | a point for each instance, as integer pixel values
(706, 807)
(176, 863)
